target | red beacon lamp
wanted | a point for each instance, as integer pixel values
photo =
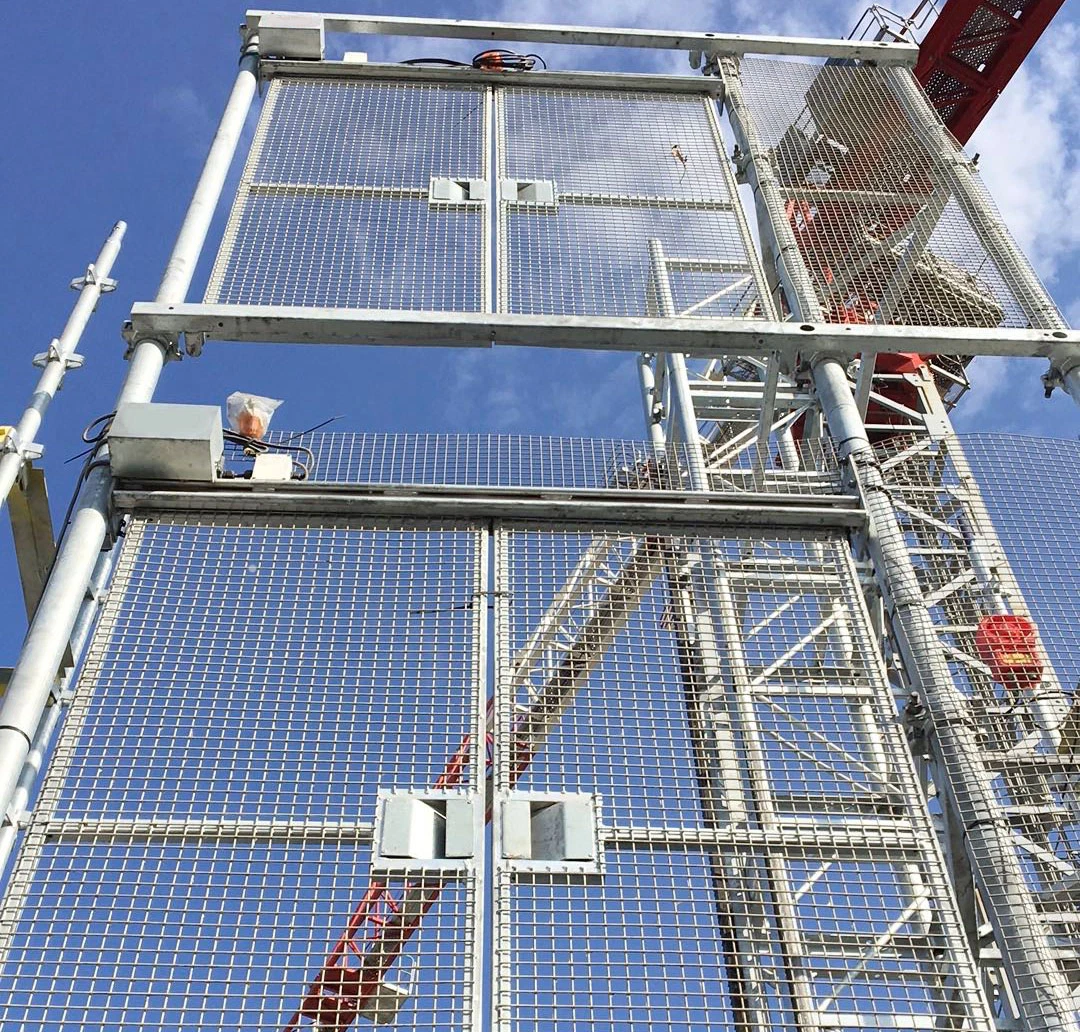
(1008, 645)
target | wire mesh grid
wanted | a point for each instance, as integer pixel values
(500, 460)
(205, 826)
(980, 557)
(333, 208)
(767, 857)
(641, 193)
(885, 236)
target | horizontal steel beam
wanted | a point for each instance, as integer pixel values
(707, 42)
(674, 511)
(381, 71)
(695, 337)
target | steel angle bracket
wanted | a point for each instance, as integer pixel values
(457, 193)
(35, 543)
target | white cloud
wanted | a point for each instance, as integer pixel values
(1028, 161)
(189, 114)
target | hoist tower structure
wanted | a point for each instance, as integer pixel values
(743, 726)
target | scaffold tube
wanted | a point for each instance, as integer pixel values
(50, 631)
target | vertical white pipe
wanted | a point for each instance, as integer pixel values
(51, 629)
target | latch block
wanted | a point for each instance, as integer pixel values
(457, 191)
(531, 193)
(557, 834)
(425, 828)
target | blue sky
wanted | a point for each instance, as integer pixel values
(112, 107)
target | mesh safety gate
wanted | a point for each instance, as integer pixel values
(352, 198)
(712, 705)
(377, 195)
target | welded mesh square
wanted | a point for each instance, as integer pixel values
(275, 669)
(172, 937)
(333, 207)
(596, 694)
(720, 696)
(883, 233)
(626, 169)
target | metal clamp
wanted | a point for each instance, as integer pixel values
(168, 342)
(43, 358)
(90, 279)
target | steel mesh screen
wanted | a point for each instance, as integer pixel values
(333, 208)
(1031, 487)
(767, 856)
(502, 460)
(883, 235)
(204, 832)
(643, 207)
(1004, 556)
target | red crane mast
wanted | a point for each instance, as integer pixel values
(971, 52)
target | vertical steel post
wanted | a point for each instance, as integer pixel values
(1042, 992)
(51, 629)
(682, 404)
(57, 358)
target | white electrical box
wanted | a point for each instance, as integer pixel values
(293, 35)
(152, 441)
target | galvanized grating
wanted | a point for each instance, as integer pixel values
(504, 460)
(627, 169)
(1031, 486)
(206, 822)
(883, 237)
(333, 206)
(221, 897)
(724, 763)
(1019, 699)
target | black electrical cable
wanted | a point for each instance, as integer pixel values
(506, 60)
(495, 60)
(253, 446)
(448, 62)
(83, 474)
(102, 432)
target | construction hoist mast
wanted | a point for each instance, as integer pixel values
(513, 735)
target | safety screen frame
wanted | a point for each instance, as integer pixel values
(206, 823)
(338, 204)
(637, 214)
(867, 173)
(765, 849)
(768, 859)
(645, 218)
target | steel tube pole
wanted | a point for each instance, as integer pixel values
(1042, 992)
(52, 626)
(682, 404)
(651, 403)
(56, 360)
(50, 719)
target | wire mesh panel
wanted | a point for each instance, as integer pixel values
(506, 460)
(1031, 487)
(762, 855)
(871, 199)
(619, 203)
(353, 197)
(202, 851)
(1015, 666)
